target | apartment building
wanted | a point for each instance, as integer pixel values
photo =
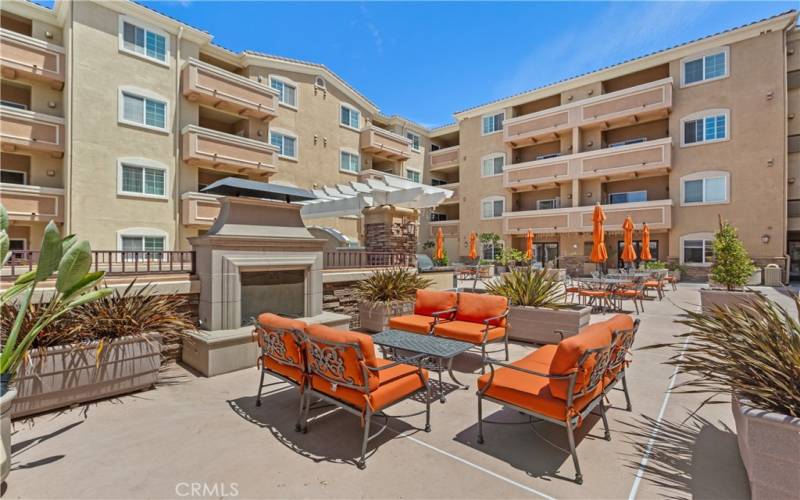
(114, 116)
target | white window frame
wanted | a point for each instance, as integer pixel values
(416, 171)
(706, 174)
(627, 192)
(147, 27)
(707, 113)
(353, 152)
(419, 140)
(142, 232)
(13, 105)
(24, 176)
(142, 163)
(287, 133)
(707, 238)
(492, 157)
(556, 202)
(319, 82)
(702, 55)
(352, 109)
(484, 132)
(144, 94)
(492, 199)
(291, 83)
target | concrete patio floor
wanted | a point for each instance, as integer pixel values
(156, 444)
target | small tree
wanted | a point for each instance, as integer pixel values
(732, 265)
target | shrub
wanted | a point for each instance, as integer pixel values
(509, 255)
(732, 265)
(389, 285)
(527, 287)
(444, 261)
(654, 264)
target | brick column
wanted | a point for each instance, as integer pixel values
(391, 229)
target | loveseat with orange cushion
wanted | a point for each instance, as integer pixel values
(428, 306)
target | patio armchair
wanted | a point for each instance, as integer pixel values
(561, 384)
(571, 289)
(633, 292)
(655, 283)
(344, 370)
(601, 297)
(429, 306)
(624, 329)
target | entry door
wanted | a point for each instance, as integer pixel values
(794, 255)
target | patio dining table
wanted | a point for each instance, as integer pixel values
(609, 284)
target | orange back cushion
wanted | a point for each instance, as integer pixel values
(570, 351)
(476, 307)
(431, 301)
(273, 322)
(348, 355)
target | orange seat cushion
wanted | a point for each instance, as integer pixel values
(468, 332)
(570, 351)
(651, 284)
(273, 322)
(431, 301)
(476, 307)
(288, 371)
(594, 293)
(412, 323)
(352, 368)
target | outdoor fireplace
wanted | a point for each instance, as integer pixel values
(280, 291)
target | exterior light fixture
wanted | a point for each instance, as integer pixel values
(765, 238)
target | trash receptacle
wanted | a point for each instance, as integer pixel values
(773, 276)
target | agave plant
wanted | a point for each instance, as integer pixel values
(528, 287)
(750, 351)
(389, 285)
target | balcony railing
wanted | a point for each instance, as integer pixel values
(657, 214)
(213, 86)
(33, 203)
(385, 144)
(206, 147)
(640, 158)
(444, 159)
(28, 57)
(199, 210)
(453, 186)
(114, 262)
(356, 259)
(449, 227)
(652, 99)
(25, 130)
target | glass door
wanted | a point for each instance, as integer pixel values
(794, 256)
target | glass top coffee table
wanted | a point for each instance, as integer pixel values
(437, 349)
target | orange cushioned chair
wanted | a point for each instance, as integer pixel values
(282, 353)
(624, 329)
(560, 383)
(345, 371)
(428, 306)
(479, 319)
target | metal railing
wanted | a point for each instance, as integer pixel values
(114, 262)
(353, 259)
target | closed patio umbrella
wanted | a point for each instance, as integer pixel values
(529, 245)
(599, 253)
(645, 255)
(473, 245)
(439, 244)
(628, 252)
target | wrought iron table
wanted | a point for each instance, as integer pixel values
(437, 349)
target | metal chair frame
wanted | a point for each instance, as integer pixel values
(639, 296)
(619, 358)
(487, 326)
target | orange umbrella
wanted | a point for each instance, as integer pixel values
(645, 255)
(473, 245)
(529, 245)
(439, 244)
(628, 252)
(599, 253)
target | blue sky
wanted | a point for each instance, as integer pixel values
(428, 60)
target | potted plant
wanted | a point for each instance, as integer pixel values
(508, 256)
(387, 293)
(750, 353)
(731, 271)
(444, 261)
(73, 287)
(538, 313)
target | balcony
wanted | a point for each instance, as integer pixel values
(453, 186)
(227, 152)
(384, 144)
(657, 214)
(23, 130)
(644, 158)
(643, 102)
(28, 57)
(199, 210)
(213, 86)
(449, 228)
(443, 160)
(33, 203)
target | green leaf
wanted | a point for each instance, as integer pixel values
(86, 281)
(5, 247)
(12, 291)
(3, 218)
(74, 266)
(26, 278)
(67, 242)
(11, 341)
(91, 296)
(50, 254)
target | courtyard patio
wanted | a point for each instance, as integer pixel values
(197, 436)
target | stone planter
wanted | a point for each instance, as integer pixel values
(710, 297)
(539, 325)
(61, 376)
(374, 316)
(5, 430)
(769, 444)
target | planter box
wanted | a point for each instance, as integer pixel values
(66, 375)
(769, 444)
(710, 297)
(539, 325)
(374, 316)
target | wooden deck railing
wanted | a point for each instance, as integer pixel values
(354, 259)
(114, 262)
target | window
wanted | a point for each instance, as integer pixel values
(707, 67)
(143, 111)
(627, 142)
(142, 180)
(17, 244)
(415, 140)
(547, 204)
(143, 243)
(704, 187)
(547, 156)
(697, 251)
(349, 162)
(13, 177)
(438, 182)
(492, 208)
(492, 165)
(287, 93)
(412, 175)
(438, 217)
(286, 144)
(319, 82)
(545, 253)
(627, 197)
(349, 117)
(145, 42)
(637, 246)
(491, 251)
(12, 104)
(710, 128)
(493, 123)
